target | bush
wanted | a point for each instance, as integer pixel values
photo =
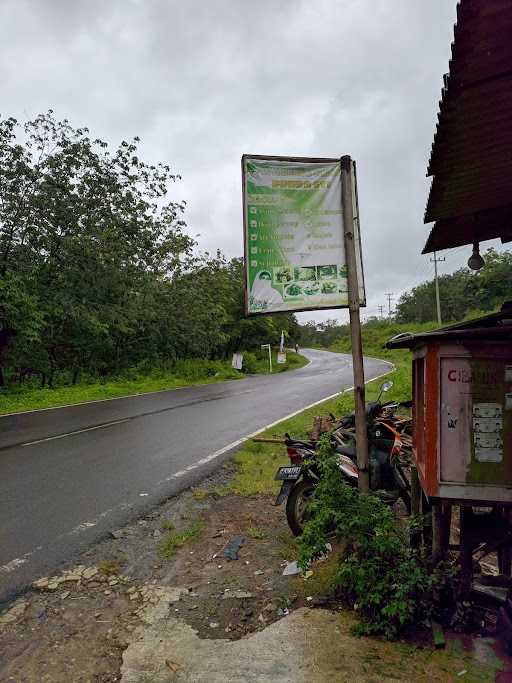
(379, 574)
(250, 363)
(198, 368)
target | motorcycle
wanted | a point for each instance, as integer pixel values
(387, 477)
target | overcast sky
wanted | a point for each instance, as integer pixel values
(202, 82)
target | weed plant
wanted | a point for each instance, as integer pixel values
(170, 543)
(385, 580)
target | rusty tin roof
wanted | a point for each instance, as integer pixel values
(493, 326)
(471, 159)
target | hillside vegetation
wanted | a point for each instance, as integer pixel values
(375, 334)
(463, 294)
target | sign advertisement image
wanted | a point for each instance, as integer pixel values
(294, 241)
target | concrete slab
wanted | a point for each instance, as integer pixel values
(292, 650)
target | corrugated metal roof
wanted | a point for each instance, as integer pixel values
(492, 326)
(471, 159)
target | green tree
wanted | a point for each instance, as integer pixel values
(461, 292)
(84, 235)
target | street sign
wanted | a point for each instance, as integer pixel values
(294, 234)
(302, 251)
(237, 361)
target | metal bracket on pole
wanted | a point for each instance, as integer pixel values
(355, 323)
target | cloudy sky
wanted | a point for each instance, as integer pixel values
(204, 81)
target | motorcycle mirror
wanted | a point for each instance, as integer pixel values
(387, 385)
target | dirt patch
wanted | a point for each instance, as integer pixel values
(77, 633)
(76, 630)
(230, 598)
(76, 625)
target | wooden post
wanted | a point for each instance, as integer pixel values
(446, 527)
(355, 323)
(505, 554)
(441, 525)
(466, 557)
(415, 492)
(437, 525)
(415, 505)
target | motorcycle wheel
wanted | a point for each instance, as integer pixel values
(296, 505)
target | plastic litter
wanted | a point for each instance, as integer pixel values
(291, 569)
(230, 552)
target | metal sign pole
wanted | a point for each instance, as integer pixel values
(355, 323)
(265, 346)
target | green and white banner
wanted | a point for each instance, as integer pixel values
(294, 242)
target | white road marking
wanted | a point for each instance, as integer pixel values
(78, 431)
(82, 527)
(243, 439)
(14, 564)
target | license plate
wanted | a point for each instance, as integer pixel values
(284, 473)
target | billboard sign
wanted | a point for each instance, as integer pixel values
(293, 235)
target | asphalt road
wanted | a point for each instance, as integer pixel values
(69, 475)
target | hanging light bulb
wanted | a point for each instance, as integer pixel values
(475, 261)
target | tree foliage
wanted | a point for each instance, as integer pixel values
(97, 271)
(462, 293)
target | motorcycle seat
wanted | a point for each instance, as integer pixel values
(346, 450)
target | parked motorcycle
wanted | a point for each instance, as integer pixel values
(387, 477)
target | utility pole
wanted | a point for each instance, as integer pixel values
(350, 215)
(389, 295)
(435, 261)
(381, 308)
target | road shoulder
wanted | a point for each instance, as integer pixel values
(161, 600)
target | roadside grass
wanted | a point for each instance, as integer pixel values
(255, 533)
(259, 362)
(200, 494)
(384, 658)
(167, 525)
(109, 567)
(16, 400)
(257, 463)
(322, 582)
(186, 373)
(170, 543)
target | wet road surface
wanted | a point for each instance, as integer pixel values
(69, 475)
